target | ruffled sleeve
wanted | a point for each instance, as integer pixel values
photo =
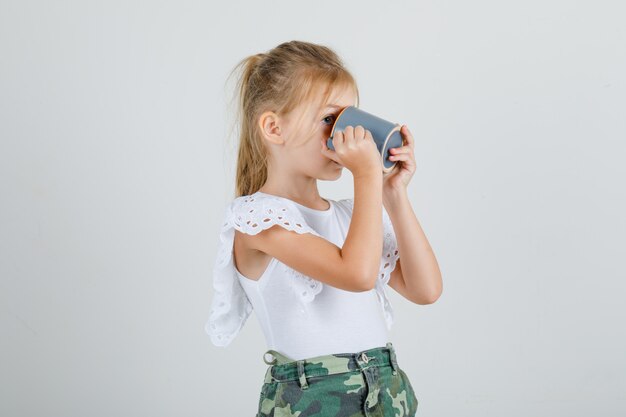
(230, 306)
(388, 260)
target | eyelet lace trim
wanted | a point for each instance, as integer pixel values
(305, 287)
(250, 214)
(388, 261)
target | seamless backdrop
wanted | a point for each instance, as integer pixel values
(117, 161)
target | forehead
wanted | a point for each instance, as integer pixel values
(340, 98)
(323, 100)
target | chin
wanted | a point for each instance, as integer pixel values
(337, 173)
(330, 176)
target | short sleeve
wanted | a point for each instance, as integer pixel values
(251, 214)
(388, 260)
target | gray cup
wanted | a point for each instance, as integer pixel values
(386, 134)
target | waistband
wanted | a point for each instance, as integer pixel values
(283, 368)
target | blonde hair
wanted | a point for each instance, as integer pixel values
(280, 80)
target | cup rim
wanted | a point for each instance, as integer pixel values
(332, 131)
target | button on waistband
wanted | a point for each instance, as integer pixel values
(365, 358)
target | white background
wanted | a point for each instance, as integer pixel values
(116, 164)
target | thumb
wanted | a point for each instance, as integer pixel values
(327, 152)
(324, 147)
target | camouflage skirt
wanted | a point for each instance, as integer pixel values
(367, 383)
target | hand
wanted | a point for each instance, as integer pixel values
(355, 149)
(400, 176)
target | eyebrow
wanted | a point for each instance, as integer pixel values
(333, 106)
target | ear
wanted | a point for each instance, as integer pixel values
(269, 125)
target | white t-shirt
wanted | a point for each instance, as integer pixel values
(299, 316)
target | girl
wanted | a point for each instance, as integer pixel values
(313, 269)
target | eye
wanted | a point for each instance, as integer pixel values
(329, 116)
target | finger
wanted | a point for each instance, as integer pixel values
(401, 149)
(400, 157)
(338, 139)
(405, 160)
(327, 152)
(359, 132)
(348, 133)
(409, 164)
(325, 149)
(408, 136)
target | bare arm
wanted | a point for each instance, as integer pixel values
(353, 267)
(418, 278)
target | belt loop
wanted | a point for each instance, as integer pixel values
(279, 358)
(268, 375)
(392, 358)
(301, 375)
